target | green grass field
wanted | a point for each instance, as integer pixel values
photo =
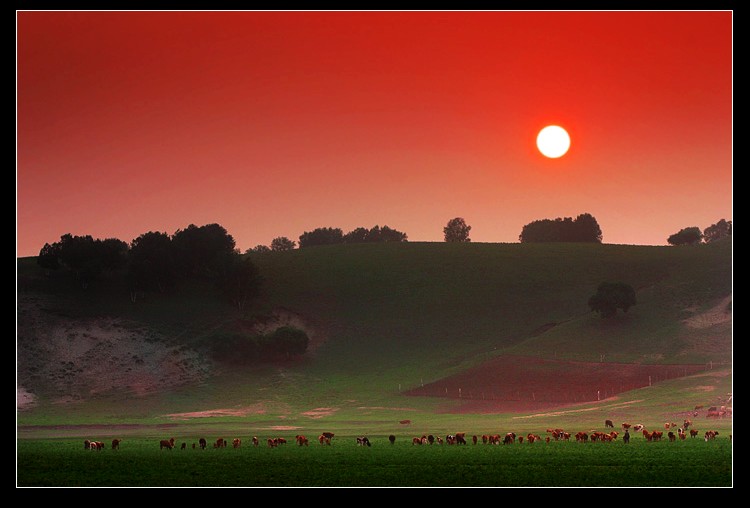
(139, 462)
(387, 318)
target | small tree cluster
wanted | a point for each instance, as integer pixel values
(694, 236)
(157, 261)
(333, 236)
(583, 228)
(85, 257)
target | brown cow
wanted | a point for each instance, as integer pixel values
(608, 424)
(301, 440)
(255, 441)
(405, 422)
(324, 439)
(168, 444)
(392, 438)
(625, 426)
(86, 444)
(671, 436)
(116, 444)
(272, 443)
(202, 443)
(236, 442)
(220, 443)
(460, 437)
(183, 446)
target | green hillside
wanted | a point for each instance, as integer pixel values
(383, 318)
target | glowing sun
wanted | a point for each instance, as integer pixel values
(553, 141)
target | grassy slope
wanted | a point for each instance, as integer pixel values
(399, 314)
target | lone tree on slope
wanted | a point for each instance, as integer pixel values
(611, 296)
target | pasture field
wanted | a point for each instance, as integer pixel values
(140, 463)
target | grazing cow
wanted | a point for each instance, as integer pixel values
(686, 424)
(696, 408)
(638, 427)
(509, 438)
(608, 424)
(329, 435)
(439, 440)
(183, 446)
(405, 422)
(450, 439)
(547, 439)
(474, 439)
(86, 444)
(236, 442)
(416, 440)
(116, 444)
(97, 445)
(693, 432)
(363, 441)
(657, 435)
(710, 434)
(625, 426)
(460, 437)
(581, 437)
(431, 439)
(280, 440)
(301, 440)
(672, 437)
(256, 442)
(613, 435)
(626, 437)
(168, 444)
(392, 438)
(272, 443)
(324, 439)
(202, 443)
(520, 439)
(220, 443)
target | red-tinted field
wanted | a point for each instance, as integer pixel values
(514, 384)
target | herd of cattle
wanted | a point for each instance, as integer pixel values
(674, 432)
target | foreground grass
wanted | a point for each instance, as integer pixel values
(140, 462)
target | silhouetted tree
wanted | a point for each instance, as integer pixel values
(321, 236)
(238, 279)
(584, 228)
(282, 243)
(258, 248)
(358, 235)
(49, 257)
(457, 230)
(611, 296)
(387, 234)
(198, 249)
(718, 231)
(686, 236)
(376, 234)
(152, 264)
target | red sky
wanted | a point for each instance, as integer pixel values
(275, 123)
